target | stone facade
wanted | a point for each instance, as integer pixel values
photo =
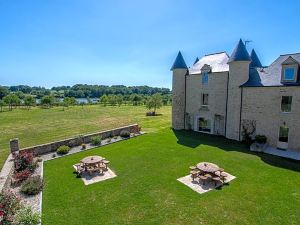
(239, 90)
(238, 75)
(263, 105)
(217, 92)
(178, 98)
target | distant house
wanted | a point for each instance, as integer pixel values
(227, 96)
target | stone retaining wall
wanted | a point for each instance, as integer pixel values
(75, 141)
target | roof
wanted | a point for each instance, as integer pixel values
(255, 62)
(179, 62)
(240, 53)
(196, 60)
(217, 62)
(271, 75)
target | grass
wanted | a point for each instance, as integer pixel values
(37, 126)
(266, 190)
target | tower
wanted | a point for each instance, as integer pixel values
(238, 62)
(255, 62)
(179, 70)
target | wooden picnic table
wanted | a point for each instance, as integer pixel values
(208, 167)
(92, 160)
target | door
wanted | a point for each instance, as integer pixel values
(219, 125)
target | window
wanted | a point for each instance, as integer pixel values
(286, 103)
(289, 74)
(284, 134)
(205, 78)
(204, 101)
(204, 125)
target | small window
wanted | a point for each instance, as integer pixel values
(286, 103)
(284, 134)
(205, 78)
(289, 74)
(204, 99)
(204, 125)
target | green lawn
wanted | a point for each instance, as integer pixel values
(37, 126)
(266, 190)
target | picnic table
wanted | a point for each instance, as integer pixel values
(92, 160)
(208, 167)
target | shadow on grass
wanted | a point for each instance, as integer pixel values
(194, 139)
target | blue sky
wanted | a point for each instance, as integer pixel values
(133, 42)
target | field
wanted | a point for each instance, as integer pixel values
(37, 126)
(266, 190)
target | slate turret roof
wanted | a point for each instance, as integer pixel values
(179, 62)
(240, 53)
(271, 75)
(255, 62)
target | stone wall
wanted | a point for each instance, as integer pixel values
(75, 141)
(217, 93)
(178, 98)
(238, 75)
(263, 105)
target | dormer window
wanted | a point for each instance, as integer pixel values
(289, 70)
(289, 74)
(205, 78)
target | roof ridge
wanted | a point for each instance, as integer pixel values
(290, 54)
(216, 53)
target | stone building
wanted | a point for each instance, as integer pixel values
(233, 95)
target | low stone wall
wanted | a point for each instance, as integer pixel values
(5, 174)
(75, 141)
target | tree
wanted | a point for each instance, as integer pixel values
(119, 100)
(103, 100)
(135, 99)
(154, 102)
(11, 100)
(112, 99)
(29, 101)
(68, 101)
(48, 100)
(3, 92)
(2, 104)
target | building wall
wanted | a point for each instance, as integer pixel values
(178, 98)
(238, 75)
(263, 104)
(217, 91)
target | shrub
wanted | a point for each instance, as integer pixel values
(125, 134)
(63, 149)
(24, 160)
(32, 185)
(261, 139)
(22, 175)
(53, 155)
(9, 204)
(96, 140)
(83, 146)
(26, 216)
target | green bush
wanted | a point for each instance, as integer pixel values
(261, 139)
(32, 186)
(63, 149)
(125, 134)
(26, 216)
(96, 140)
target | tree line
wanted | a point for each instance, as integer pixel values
(14, 96)
(81, 91)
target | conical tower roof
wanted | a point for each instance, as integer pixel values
(255, 62)
(240, 53)
(197, 59)
(179, 62)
